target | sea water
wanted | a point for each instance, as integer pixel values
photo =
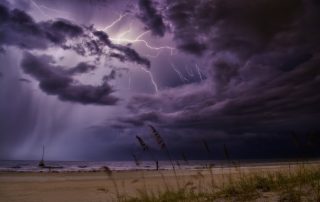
(92, 166)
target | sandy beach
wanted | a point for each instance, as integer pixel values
(98, 186)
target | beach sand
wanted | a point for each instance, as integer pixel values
(98, 186)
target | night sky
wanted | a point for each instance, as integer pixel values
(84, 77)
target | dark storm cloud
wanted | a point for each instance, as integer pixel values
(81, 68)
(100, 45)
(221, 25)
(132, 55)
(268, 32)
(54, 80)
(151, 18)
(260, 64)
(4, 14)
(19, 4)
(59, 30)
(127, 52)
(110, 77)
(19, 29)
(262, 74)
(24, 80)
(103, 37)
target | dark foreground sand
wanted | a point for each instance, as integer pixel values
(98, 186)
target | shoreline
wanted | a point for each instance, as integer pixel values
(150, 168)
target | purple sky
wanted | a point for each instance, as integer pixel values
(84, 77)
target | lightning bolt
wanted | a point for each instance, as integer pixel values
(126, 32)
(52, 9)
(155, 85)
(189, 71)
(183, 78)
(39, 8)
(115, 22)
(121, 35)
(200, 75)
(138, 39)
(129, 80)
(146, 43)
(121, 38)
(141, 35)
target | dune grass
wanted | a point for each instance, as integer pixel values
(301, 183)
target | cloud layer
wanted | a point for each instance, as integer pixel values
(55, 80)
(20, 30)
(258, 75)
(262, 68)
(151, 18)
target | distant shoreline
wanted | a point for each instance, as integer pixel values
(151, 167)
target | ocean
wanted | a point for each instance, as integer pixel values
(74, 166)
(92, 166)
(70, 166)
